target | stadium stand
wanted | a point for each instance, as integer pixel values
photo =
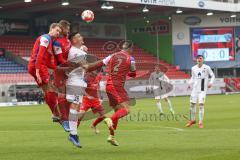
(8, 66)
(22, 46)
(232, 84)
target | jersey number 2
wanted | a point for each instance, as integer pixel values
(116, 68)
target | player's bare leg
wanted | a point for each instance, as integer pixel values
(121, 110)
(81, 115)
(51, 100)
(101, 117)
(192, 115)
(169, 105)
(201, 115)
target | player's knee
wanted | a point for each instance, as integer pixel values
(128, 110)
(193, 105)
(201, 105)
(74, 106)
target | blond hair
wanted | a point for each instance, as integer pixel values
(54, 25)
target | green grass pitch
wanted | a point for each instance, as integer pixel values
(27, 133)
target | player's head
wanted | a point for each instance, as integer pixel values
(157, 69)
(55, 30)
(200, 59)
(65, 26)
(127, 46)
(76, 39)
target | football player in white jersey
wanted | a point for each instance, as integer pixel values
(75, 86)
(200, 83)
(157, 78)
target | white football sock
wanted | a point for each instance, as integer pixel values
(170, 105)
(73, 120)
(159, 106)
(193, 112)
(201, 113)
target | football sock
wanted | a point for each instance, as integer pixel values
(117, 115)
(159, 106)
(64, 108)
(201, 113)
(73, 121)
(51, 100)
(170, 105)
(193, 112)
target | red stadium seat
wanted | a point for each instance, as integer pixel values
(22, 46)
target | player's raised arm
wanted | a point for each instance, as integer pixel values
(98, 64)
(211, 74)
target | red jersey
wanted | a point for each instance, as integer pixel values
(92, 85)
(119, 66)
(42, 53)
(61, 46)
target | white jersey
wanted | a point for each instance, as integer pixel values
(156, 78)
(200, 78)
(156, 81)
(76, 55)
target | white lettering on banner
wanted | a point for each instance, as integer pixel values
(203, 4)
(159, 2)
(229, 20)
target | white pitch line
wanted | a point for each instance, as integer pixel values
(178, 129)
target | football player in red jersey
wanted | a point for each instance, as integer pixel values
(61, 47)
(41, 60)
(91, 99)
(121, 65)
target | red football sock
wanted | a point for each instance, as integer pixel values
(64, 108)
(117, 115)
(98, 120)
(51, 100)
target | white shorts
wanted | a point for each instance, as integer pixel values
(198, 97)
(75, 93)
(162, 96)
(76, 99)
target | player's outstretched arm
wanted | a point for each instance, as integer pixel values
(93, 66)
(98, 64)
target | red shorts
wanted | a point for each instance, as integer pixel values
(43, 71)
(116, 95)
(94, 104)
(60, 78)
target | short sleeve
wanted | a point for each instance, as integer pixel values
(44, 41)
(107, 59)
(57, 47)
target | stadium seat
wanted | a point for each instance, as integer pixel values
(22, 46)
